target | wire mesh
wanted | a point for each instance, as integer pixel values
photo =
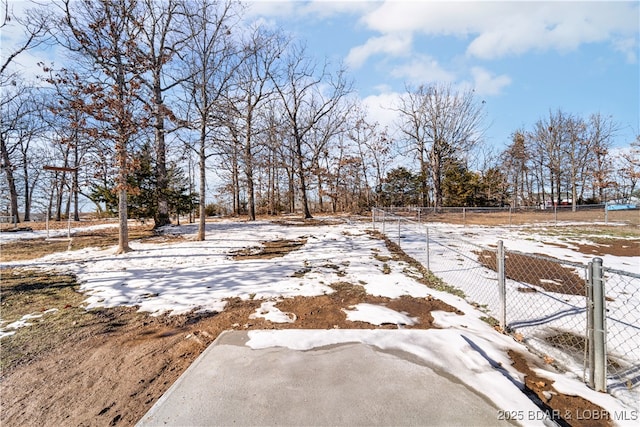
(541, 215)
(546, 298)
(547, 306)
(622, 291)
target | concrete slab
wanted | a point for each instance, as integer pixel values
(348, 384)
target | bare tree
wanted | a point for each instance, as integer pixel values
(211, 62)
(13, 106)
(549, 136)
(515, 161)
(572, 155)
(364, 135)
(250, 92)
(308, 95)
(161, 41)
(600, 133)
(320, 145)
(32, 130)
(375, 149)
(35, 26)
(280, 162)
(440, 122)
(629, 169)
(12, 109)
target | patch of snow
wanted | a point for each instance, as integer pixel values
(270, 312)
(550, 282)
(12, 327)
(377, 315)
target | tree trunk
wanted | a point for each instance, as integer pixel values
(292, 187)
(11, 182)
(162, 213)
(424, 173)
(203, 183)
(123, 233)
(248, 164)
(303, 184)
(235, 179)
(251, 204)
(436, 176)
(320, 201)
(59, 197)
(271, 184)
(75, 183)
(27, 194)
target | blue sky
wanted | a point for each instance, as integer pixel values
(523, 58)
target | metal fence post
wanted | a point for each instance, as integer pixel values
(398, 231)
(590, 347)
(428, 261)
(502, 285)
(373, 218)
(384, 221)
(598, 357)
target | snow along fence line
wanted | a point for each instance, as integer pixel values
(542, 301)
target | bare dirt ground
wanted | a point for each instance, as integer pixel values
(109, 366)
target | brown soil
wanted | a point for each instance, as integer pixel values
(615, 247)
(113, 367)
(605, 246)
(577, 411)
(37, 247)
(109, 366)
(269, 249)
(542, 272)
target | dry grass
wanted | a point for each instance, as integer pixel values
(30, 292)
(35, 248)
(631, 218)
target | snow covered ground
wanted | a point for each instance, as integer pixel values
(179, 277)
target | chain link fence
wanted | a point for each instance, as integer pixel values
(551, 215)
(542, 301)
(623, 328)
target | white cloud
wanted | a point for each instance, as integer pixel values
(427, 16)
(271, 8)
(380, 108)
(328, 8)
(498, 29)
(319, 9)
(485, 83)
(396, 44)
(628, 47)
(554, 26)
(423, 69)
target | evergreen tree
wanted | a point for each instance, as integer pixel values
(401, 187)
(459, 185)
